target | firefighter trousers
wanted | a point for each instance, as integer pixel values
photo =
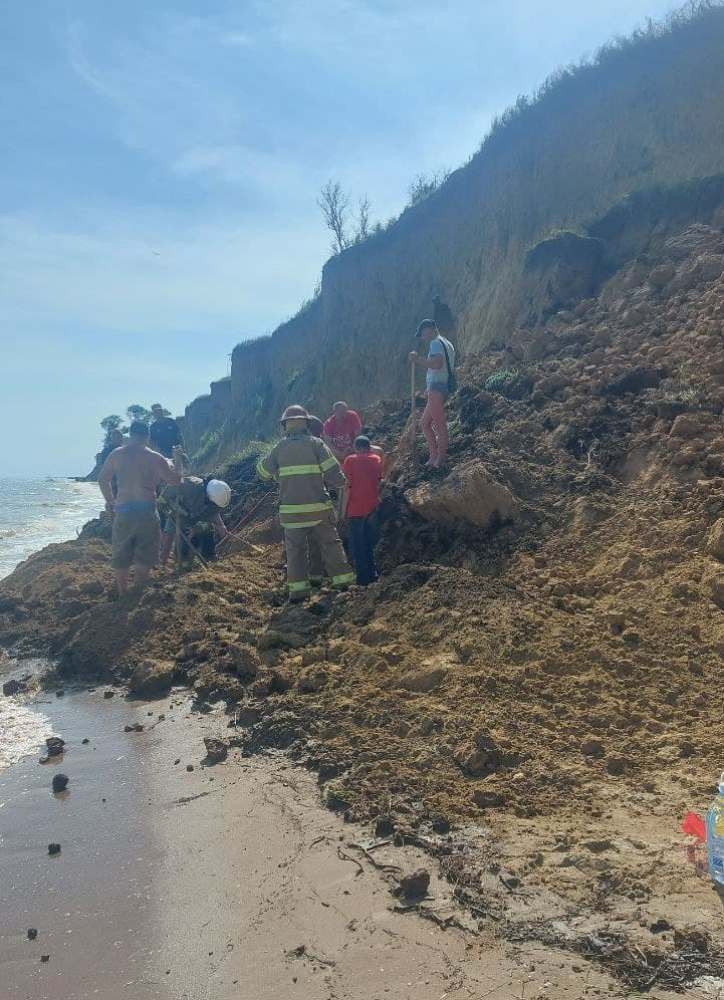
(297, 543)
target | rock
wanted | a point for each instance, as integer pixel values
(13, 687)
(311, 680)
(487, 799)
(415, 885)
(384, 826)
(469, 494)
(715, 585)
(45, 958)
(634, 381)
(687, 938)
(631, 636)
(709, 266)
(592, 747)
(32, 933)
(715, 540)
(423, 681)
(661, 275)
(109, 694)
(616, 765)
(60, 693)
(375, 635)
(189, 767)
(152, 677)
(136, 727)
(60, 782)
(597, 846)
(440, 824)
(85, 740)
(685, 427)
(53, 849)
(55, 745)
(484, 757)
(216, 750)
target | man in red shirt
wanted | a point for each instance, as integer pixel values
(363, 471)
(340, 430)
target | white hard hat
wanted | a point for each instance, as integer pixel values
(218, 492)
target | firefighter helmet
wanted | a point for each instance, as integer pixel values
(294, 413)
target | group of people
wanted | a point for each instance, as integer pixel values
(326, 471)
(143, 472)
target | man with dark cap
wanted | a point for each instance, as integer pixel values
(164, 431)
(439, 382)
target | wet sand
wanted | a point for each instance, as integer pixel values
(227, 881)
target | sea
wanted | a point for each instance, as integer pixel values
(34, 513)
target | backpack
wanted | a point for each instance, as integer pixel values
(452, 382)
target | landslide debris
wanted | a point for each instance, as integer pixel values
(540, 658)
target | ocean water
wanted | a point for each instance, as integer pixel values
(36, 512)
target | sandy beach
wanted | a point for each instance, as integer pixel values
(224, 881)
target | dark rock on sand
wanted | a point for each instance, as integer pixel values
(216, 750)
(152, 677)
(384, 826)
(60, 782)
(14, 686)
(109, 694)
(55, 745)
(415, 885)
(53, 849)
(32, 933)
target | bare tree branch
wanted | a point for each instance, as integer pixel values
(334, 204)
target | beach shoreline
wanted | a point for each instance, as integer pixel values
(222, 881)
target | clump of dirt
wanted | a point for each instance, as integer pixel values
(543, 681)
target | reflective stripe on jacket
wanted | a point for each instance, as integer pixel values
(305, 469)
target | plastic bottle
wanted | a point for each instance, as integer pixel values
(715, 835)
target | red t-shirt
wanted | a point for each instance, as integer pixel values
(343, 432)
(363, 472)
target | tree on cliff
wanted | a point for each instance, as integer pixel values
(110, 424)
(137, 412)
(334, 204)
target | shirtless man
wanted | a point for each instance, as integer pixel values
(136, 529)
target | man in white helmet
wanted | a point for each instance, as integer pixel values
(200, 503)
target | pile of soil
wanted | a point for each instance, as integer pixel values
(537, 666)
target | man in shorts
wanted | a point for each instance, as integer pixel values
(136, 529)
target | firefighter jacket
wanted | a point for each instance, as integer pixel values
(305, 469)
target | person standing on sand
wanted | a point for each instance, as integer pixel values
(440, 382)
(136, 529)
(341, 429)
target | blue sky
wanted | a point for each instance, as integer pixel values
(161, 163)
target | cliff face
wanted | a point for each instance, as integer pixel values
(647, 114)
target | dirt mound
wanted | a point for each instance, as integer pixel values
(545, 680)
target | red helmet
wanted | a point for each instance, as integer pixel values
(292, 413)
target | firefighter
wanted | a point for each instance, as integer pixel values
(305, 469)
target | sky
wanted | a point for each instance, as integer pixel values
(161, 163)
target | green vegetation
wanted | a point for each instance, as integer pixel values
(502, 381)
